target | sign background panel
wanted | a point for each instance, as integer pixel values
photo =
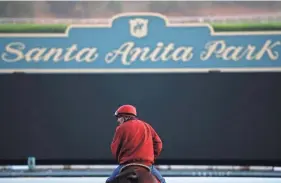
(202, 116)
(156, 44)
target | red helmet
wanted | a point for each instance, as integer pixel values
(126, 109)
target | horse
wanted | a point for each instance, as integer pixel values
(135, 173)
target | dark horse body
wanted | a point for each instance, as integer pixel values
(132, 173)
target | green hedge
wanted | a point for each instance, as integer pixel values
(60, 28)
(275, 26)
(32, 28)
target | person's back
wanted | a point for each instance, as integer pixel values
(137, 143)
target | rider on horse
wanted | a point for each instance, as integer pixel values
(134, 142)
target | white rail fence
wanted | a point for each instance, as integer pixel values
(207, 19)
(161, 167)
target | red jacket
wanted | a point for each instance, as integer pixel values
(136, 142)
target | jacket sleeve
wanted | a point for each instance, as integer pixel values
(157, 143)
(116, 143)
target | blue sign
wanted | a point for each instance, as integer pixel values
(140, 43)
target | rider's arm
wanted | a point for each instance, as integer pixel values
(157, 143)
(117, 142)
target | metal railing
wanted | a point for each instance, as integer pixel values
(167, 171)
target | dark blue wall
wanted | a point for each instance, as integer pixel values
(198, 116)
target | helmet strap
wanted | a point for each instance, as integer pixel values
(127, 118)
